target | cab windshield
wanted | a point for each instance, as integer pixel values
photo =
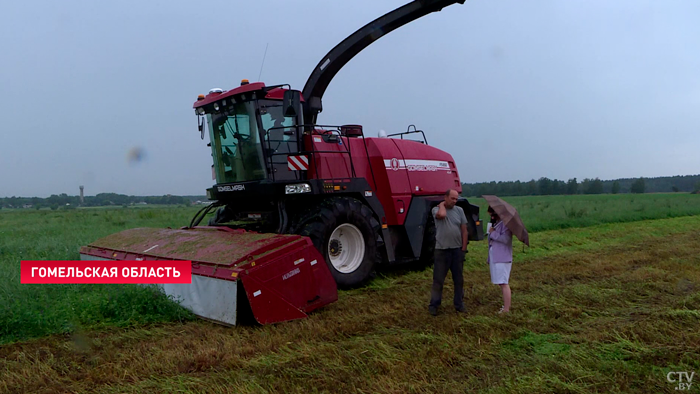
(236, 146)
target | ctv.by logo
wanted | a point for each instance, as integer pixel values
(683, 379)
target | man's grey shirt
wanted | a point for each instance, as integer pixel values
(448, 233)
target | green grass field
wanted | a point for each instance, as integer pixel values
(605, 300)
(558, 212)
(28, 311)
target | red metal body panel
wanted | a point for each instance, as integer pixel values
(401, 168)
(331, 160)
(284, 276)
(278, 94)
(431, 171)
(395, 193)
(268, 307)
(290, 286)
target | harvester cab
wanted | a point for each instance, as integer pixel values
(250, 133)
(312, 207)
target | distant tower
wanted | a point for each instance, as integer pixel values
(81, 194)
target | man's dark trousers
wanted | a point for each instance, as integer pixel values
(448, 260)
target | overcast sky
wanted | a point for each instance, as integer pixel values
(513, 89)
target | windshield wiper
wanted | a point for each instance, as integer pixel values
(238, 137)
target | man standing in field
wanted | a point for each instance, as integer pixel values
(450, 247)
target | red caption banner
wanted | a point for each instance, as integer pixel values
(106, 271)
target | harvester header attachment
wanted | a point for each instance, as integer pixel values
(277, 277)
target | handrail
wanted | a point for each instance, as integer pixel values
(408, 131)
(319, 130)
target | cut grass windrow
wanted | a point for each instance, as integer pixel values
(611, 308)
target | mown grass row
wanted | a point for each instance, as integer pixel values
(30, 311)
(611, 308)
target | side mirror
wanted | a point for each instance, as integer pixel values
(291, 102)
(201, 127)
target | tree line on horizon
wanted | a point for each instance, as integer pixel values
(545, 186)
(64, 201)
(542, 186)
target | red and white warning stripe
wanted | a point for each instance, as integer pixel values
(297, 163)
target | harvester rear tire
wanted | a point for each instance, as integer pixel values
(349, 215)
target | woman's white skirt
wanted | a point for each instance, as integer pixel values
(500, 272)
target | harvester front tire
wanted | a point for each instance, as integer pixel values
(345, 231)
(222, 215)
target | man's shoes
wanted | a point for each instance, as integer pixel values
(432, 310)
(461, 309)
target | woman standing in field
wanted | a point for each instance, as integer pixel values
(500, 257)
